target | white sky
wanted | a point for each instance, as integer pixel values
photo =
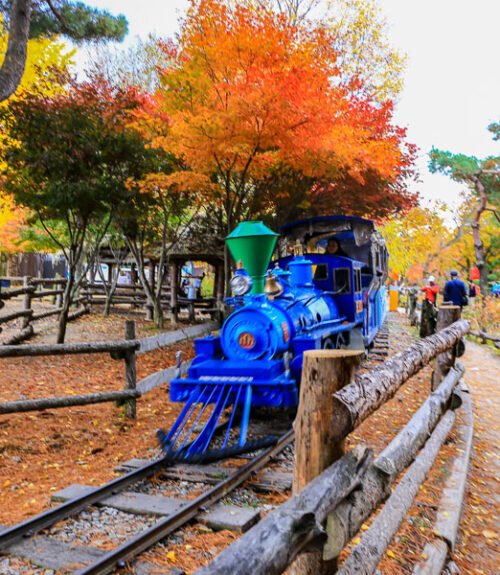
(452, 82)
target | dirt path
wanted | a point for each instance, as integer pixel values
(478, 552)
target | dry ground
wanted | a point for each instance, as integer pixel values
(43, 452)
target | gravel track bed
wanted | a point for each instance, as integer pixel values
(103, 527)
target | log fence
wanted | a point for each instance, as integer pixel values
(485, 337)
(91, 294)
(334, 492)
(35, 289)
(126, 350)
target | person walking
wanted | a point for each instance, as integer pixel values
(455, 291)
(428, 319)
(473, 293)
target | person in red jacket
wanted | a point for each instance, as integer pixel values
(429, 312)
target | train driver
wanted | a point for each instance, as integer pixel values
(333, 248)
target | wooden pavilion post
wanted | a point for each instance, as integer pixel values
(219, 288)
(173, 291)
(323, 373)
(152, 274)
(447, 314)
(26, 303)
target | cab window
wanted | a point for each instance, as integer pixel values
(342, 279)
(357, 280)
(321, 272)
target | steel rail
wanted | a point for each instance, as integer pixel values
(73, 506)
(167, 525)
(47, 518)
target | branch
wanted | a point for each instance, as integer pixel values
(494, 212)
(58, 15)
(51, 235)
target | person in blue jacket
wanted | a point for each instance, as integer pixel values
(455, 291)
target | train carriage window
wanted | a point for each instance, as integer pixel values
(342, 279)
(321, 272)
(357, 280)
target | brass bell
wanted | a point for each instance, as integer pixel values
(272, 287)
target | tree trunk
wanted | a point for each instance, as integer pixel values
(478, 243)
(13, 65)
(157, 312)
(63, 317)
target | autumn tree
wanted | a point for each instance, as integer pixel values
(27, 19)
(482, 177)
(458, 252)
(249, 96)
(79, 178)
(359, 36)
(157, 216)
(415, 239)
(139, 65)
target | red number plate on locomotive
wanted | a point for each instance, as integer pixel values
(246, 340)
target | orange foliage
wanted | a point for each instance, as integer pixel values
(247, 92)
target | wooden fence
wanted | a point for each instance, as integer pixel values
(335, 493)
(126, 350)
(484, 337)
(33, 289)
(92, 294)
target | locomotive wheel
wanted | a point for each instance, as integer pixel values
(333, 342)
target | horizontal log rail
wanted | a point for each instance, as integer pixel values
(45, 314)
(9, 294)
(43, 281)
(369, 391)
(37, 349)
(67, 401)
(15, 315)
(171, 337)
(47, 293)
(484, 337)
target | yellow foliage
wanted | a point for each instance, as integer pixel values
(412, 239)
(44, 57)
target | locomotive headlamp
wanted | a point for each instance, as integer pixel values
(241, 283)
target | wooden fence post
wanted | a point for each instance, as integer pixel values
(27, 303)
(323, 373)
(447, 314)
(130, 370)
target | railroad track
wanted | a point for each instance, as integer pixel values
(34, 536)
(25, 538)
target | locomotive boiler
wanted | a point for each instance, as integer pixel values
(306, 298)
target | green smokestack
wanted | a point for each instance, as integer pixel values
(253, 243)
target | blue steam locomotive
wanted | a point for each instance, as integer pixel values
(325, 290)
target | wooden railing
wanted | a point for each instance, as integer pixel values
(335, 493)
(32, 289)
(126, 350)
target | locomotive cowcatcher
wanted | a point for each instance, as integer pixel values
(306, 298)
